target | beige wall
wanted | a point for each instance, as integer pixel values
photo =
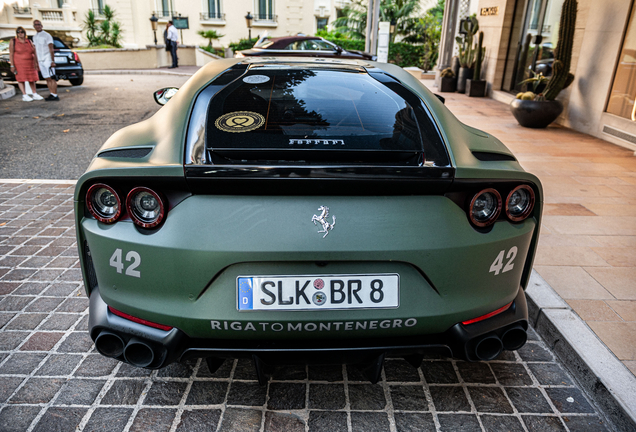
(496, 29)
(135, 58)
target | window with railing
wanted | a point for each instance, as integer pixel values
(214, 11)
(18, 10)
(265, 11)
(164, 9)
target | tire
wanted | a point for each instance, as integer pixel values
(77, 81)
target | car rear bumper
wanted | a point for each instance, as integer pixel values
(145, 346)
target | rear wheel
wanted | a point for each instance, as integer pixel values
(77, 81)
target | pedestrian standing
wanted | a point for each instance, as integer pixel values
(24, 63)
(44, 49)
(173, 37)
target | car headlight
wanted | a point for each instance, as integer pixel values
(519, 203)
(145, 207)
(103, 203)
(485, 207)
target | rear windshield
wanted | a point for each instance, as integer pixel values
(323, 110)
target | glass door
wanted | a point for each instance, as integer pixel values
(623, 94)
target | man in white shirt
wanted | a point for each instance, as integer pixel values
(173, 37)
(44, 48)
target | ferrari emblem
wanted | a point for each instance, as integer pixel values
(322, 219)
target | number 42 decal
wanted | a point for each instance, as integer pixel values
(116, 261)
(498, 263)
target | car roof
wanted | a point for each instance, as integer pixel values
(282, 42)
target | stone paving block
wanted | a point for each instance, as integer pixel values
(59, 365)
(355, 374)
(459, 422)
(199, 420)
(60, 321)
(96, 365)
(401, 371)
(76, 342)
(241, 420)
(8, 386)
(207, 393)
(408, 397)
(327, 396)
(366, 397)
(153, 419)
(289, 372)
(178, 370)
(37, 391)
(569, 400)
(10, 340)
(21, 363)
(528, 400)
(476, 373)
(108, 420)
(127, 370)
(489, 400)
(414, 422)
(60, 419)
(330, 373)
(549, 374)
(8, 287)
(223, 372)
(14, 303)
(275, 421)
(585, 424)
(31, 288)
(60, 290)
(449, 398)
(79, 392)
(286, 396)
(369, 422)
(167, 393)
(543, 424)
(26, 321)
(5, 317)
(327, 421)
(41, 341)
(534, 352)
(45, 304)
(501, 423)
(18, 418)
(83, 324)
(511, 374)
(73, 305)
(247, 394)
(244, 370)
(46, 275)
(439, 372)
(123, 392)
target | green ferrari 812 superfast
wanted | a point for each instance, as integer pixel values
(305, 211)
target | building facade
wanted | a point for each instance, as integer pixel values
(227, 17)
(520, 35)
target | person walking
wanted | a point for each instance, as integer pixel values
(44, 49)
(24, 63)
(173, 37)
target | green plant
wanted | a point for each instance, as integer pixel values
(561, 76)
(467, 52)
(480, 57)
(536, 80)
(108, 32)
(331, 34)
(401, 54)
(242, 44)
(447, 73)
(210, 35)
(354, 20)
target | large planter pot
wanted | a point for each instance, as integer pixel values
(464, 74)
(535, 114)
(476, 88)
(448, 84)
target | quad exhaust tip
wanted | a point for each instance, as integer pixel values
(109, 344)
(138, 353)
(514, 338)
(488, 348)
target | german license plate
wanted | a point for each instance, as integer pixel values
(370, 291)
(61, 60)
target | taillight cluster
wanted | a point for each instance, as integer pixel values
(145, 207)
(486, 205)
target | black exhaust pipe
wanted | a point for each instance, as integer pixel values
(139, 353)
(488, 348)
(109, 344)
(514, 338)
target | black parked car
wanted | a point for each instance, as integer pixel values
(302, 46)
(68, 64)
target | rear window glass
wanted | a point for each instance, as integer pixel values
(59, 44)
(331, 110)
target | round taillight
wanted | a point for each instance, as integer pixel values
(103, 203)
(520, 203)
(145, 207)
(485, 207)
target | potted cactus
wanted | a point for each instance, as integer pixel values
(476, 87)
(467, 51)
(539, 110)
(449, 81)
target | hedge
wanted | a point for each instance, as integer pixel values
(401, 54)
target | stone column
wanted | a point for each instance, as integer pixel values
(449, 27)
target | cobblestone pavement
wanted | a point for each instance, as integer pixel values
(52, 379)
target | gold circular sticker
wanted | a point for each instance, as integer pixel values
(240, 121)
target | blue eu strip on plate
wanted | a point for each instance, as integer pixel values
(245, 294)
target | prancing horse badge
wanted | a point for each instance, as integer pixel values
(322, 219)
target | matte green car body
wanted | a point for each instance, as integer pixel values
(188, 268)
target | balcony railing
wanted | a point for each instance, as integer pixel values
(266, 17)
(212, 16)
(17, 10)
(98, 12)
(165, 14)
(52, 14)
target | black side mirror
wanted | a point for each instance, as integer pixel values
(162, 96)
